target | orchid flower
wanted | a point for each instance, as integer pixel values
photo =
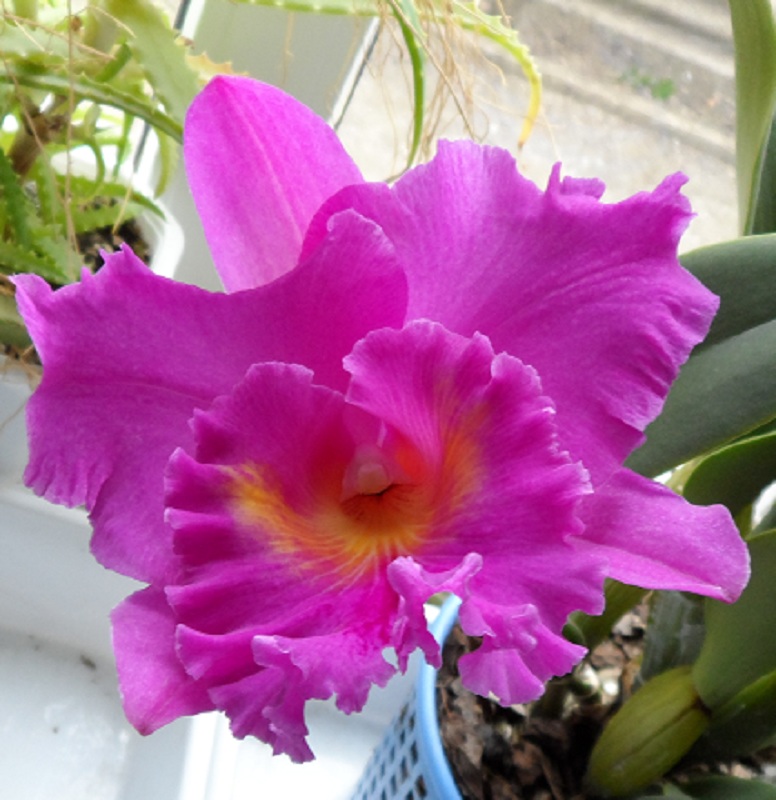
(407, 389)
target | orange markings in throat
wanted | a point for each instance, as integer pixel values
(353, 519)
(350, 531)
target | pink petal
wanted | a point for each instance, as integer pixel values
(128, 356)
(259, 165)
(589, 294)
(267, 601)
(342, 663)
(265, 705)
(415, 586)
(518, 674)
(155, 689)
(270, 552)
(502, 489)
(654, 538)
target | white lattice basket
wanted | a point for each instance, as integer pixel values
(410, 763)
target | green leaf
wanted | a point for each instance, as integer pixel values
(674, 634)
(754, 36)
(728, 386)
(12, 330)
(743, 725)
(726, 787)
(648, 735)
(740, 647)
(355, 8)
(20, 41)
(722, 393)
(589, 630)
(12, 197)
(742, 272)
(734, 475)
(104, 216)
(85, 190)
(763, 214)
(671, 790)
(14, 259)
(414, 40)
(85, 88)
(470, 17)
(42, 173)
(162, 57)
(167, 160)
(53, 245)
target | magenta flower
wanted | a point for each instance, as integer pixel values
(409, 389)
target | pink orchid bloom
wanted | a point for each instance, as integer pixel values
(405, 390)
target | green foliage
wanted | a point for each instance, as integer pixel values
(754, 34)
(415, 20)
(730, 376)
(648, 735)
(74, 94)
(727, 787)
(740, 647)
(674, 633)
(589, 630)
(735, 476)
(719, 429)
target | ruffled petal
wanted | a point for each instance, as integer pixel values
(415, 585)
(343, 663)
(589, 294)
(518, 673)
(128, 356)
(257, 186)
(502, 493)
(654, 538)
(277, 577)
(155, 689)
(265, 705)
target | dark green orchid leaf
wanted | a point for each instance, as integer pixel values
(675, 633)
(754, 36)
(742, 272)
(763, 213)
(745, 724)
(728, 387)
(734, 475)
(674, 791)
(740, 647)
(726, 787)
(589, 630)
(722, 393)
(669, 790)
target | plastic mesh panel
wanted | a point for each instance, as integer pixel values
(394, 771)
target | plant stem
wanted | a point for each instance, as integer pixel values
(550, 705)
(36, 131)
